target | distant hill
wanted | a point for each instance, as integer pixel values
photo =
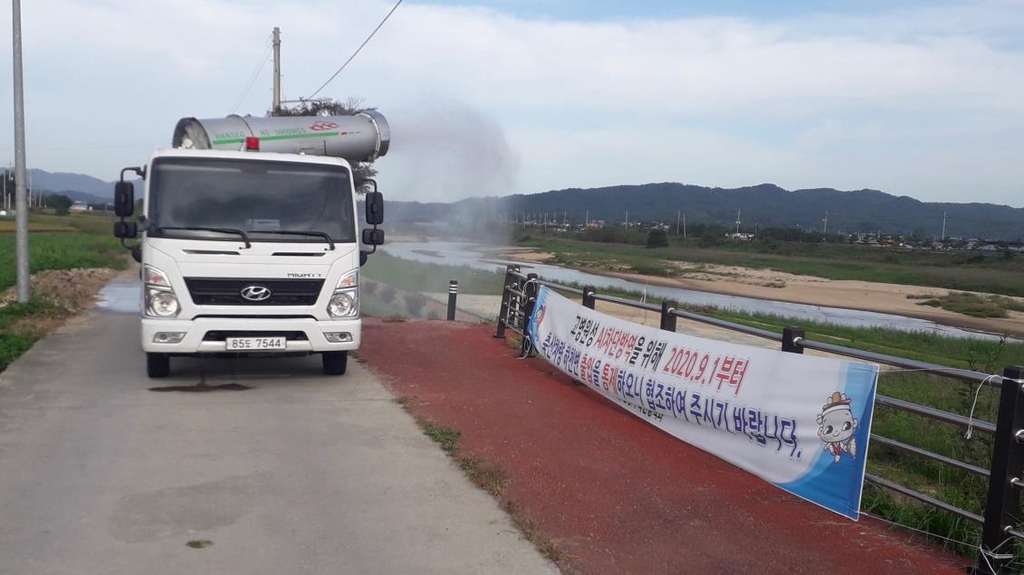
(765, 205)
(78, 187)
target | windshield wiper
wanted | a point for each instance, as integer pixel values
(323, 235)
(244, 237)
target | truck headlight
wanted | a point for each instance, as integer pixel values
(161, 303)
(160, 298)
(343, 304)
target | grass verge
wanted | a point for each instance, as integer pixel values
(411, 276)
(21, 325)
(488, 477)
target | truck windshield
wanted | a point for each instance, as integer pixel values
(257, 197)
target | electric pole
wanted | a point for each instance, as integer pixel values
(684, 226)
(277, 70)
(678, 212)
(21, 205)
(824, 224)
(738, 221)
(943, 237)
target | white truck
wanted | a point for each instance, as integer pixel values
(249, 238)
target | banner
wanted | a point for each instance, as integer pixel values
(799, 422)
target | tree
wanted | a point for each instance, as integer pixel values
(362, 171)
(657, 238)
(60, 203)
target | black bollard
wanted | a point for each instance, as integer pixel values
(453, 292)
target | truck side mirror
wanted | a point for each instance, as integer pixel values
(373, 237)
(124, 199)
(125, 229)
(374, 208)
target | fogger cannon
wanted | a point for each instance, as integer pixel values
(362, 137)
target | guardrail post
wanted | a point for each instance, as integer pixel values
(530, 289)
(589, 301)
(1003, 504)
(453, 292)
(790, 335)
(668, 319)
(503, 311)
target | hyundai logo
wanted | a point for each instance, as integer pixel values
(256, 293)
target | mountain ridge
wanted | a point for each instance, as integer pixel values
(760, 205)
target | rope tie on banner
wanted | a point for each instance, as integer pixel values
(988, 554)
(526, 348)
(974, 404)
(921, 531)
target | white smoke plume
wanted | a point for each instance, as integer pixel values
(445, 151)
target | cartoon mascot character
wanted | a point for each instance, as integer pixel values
(837, 426)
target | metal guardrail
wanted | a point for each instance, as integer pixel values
(1006, 476)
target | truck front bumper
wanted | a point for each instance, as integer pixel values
(207, 335)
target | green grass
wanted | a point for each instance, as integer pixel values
(974, 304)
(444, 436)
(12, 343)
(82, 241)
(957, 271)
(414, 277)
(58, 251)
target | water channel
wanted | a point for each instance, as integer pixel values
(465, 254)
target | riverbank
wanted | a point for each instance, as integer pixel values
(878, 297)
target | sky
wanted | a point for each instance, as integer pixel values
(922, 99)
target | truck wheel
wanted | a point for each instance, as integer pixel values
(158, 365)
(335, 362)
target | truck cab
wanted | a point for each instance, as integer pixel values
(249, 252)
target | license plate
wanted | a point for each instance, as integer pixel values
(254, 343)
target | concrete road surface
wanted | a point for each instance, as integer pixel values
(300, 473)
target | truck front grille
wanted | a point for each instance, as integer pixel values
(216, 291)
(224, 334)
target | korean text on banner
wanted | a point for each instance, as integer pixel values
(799, 422)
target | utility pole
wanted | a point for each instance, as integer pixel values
(943, 238)
(824, 225)
(738, 221)
(587, 225)
(277, 70)
(627, 219)
(684, 226)
(21, 206)
(678, 212)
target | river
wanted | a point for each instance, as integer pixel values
(465, 254)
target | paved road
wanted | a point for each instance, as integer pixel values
(298, 474)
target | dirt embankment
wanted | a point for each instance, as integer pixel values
(71, 291)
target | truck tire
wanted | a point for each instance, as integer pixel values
(335, 362)
(158, 365)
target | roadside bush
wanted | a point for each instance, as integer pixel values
(657, 238)
(414, 303)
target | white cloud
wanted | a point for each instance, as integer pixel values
(922, 101)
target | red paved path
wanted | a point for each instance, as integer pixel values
(618, 495)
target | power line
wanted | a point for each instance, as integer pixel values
(253, 77)
(354, 54)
